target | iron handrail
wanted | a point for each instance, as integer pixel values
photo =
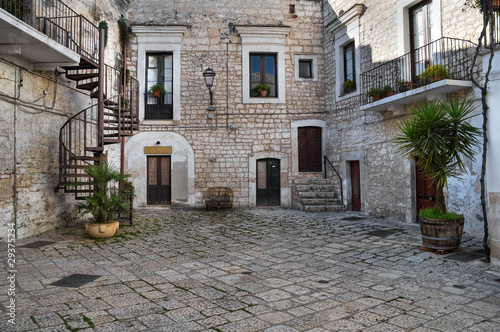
(325, 161)
(55, 19)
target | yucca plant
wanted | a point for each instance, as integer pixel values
(103, 201)
(441, 138)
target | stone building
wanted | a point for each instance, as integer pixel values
(271, 151)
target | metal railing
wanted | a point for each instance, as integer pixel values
(327, 161)
(443, 58)
(59, 22)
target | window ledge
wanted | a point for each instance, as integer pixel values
(263, 100)
(429, 91)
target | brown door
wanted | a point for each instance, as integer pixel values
(355, 186)
(310, 149)
(159, 181)
(268, 182)
(426, 191)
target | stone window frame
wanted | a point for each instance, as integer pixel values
(161, 39)
(314, 67)
(345, 30)
(263, 39)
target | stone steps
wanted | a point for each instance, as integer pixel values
(316, 195)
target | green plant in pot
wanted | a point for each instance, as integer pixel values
(157, 90)
(262, 89)
(376, 93)
(349, 86)
(440, 138)
(103, 200)
(434, 73)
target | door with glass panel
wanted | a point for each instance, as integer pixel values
(268, 182)
(159, 70)
(421, 36)
(159, 184)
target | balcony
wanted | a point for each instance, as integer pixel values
(46, 33)
(436, 69)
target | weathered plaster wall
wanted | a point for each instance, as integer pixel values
(211, 40)
(34, 105)
(388, 179)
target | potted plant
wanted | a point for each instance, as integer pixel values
(388, 91)
(404, 85)
(434, 73)
(262, 89)
(103, 200)
(376, 93)
(349, 86)
(440, 138)
(157, 90)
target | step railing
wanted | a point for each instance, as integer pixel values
(326, 162)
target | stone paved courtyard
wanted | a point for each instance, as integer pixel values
(267, 270)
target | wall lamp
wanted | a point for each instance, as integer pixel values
(209, 75)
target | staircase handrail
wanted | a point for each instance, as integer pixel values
(327, 161)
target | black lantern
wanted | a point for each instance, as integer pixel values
(209, 75)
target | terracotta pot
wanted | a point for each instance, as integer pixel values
(441, 234)
(263, 93)
(102, 231)
(377, 97)
(156, 94)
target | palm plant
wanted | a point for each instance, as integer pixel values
(441, 138)
(103, 201)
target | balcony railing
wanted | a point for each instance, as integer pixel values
(445, 58)
(58, 22)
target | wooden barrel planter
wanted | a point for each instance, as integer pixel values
(441, 234)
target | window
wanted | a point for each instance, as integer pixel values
(159, 70)
(263, 61)
(345, 29)
(305, 69)
(263, 71)
(349, 67)
(420, 35)
(155, 41)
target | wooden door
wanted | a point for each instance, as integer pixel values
(268, 182)
(426, 191)
(310, 154)
(355, 186)
(159, 189)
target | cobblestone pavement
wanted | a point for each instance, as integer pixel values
(253, 270)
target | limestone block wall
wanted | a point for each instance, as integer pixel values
(223, 157)
(387, 179)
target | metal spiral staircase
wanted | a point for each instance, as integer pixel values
(114, 94)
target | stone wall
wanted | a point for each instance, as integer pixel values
(387, 178)
(222, 157)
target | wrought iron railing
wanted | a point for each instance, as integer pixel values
(59, 22)
(443, 58)
(326, 162)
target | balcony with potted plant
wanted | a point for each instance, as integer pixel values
(438, 68)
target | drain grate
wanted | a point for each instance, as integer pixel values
(75, 280)
(464, 256)
(384, 232)
(37, 244)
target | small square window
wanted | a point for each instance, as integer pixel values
(305, 68)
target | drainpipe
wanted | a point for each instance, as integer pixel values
(17, 92)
